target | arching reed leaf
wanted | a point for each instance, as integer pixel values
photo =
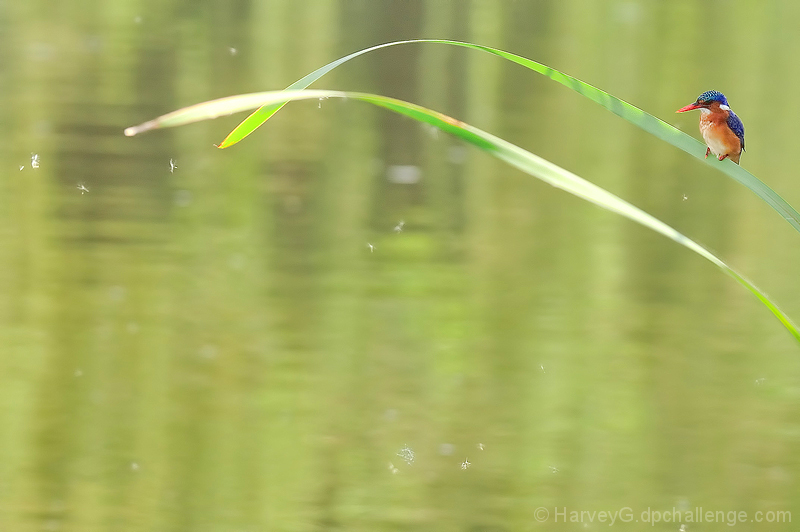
(510, 153)
(629, 112)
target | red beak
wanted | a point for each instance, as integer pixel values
(689, 107)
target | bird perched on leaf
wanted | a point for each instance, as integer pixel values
(721, 128)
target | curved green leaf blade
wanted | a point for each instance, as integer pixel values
(510, 153)
(265, 112)
(631, 113)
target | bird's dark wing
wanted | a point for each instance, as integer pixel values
(736, 126)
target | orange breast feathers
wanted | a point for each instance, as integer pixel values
(718, 136)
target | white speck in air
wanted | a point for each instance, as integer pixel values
(481, 447)
(21, 167)
(685, 197)
(183, 198)
(404, 174)
(399, 226)
(457, 154)
(541, 366)
(172, 166)
(319, 103)
(446, 449)
(78, 373)
(407, 454)
(466, 463)
(393, 469)
(82, 188)
(208, 351)
(236, 261)
(34, 161)
(553, 469)
(371, 247)
(134, 466)
(233, 51)
(137, 19)
(682, 528)
(116, 293)
(760, 381)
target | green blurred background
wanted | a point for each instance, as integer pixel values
(217, 348)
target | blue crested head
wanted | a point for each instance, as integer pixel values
(708, 97)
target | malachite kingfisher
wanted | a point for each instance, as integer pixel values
(721, 128)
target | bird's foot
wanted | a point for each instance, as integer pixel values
(721, 157)
(708, 150)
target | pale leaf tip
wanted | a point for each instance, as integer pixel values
(141, 128)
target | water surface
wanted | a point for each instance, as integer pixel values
(249, 339)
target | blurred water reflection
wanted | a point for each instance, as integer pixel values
(242, 339)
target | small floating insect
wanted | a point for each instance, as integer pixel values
(407, 454)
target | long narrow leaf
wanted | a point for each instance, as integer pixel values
(265, 112)
(629, 112)
(510, 153)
